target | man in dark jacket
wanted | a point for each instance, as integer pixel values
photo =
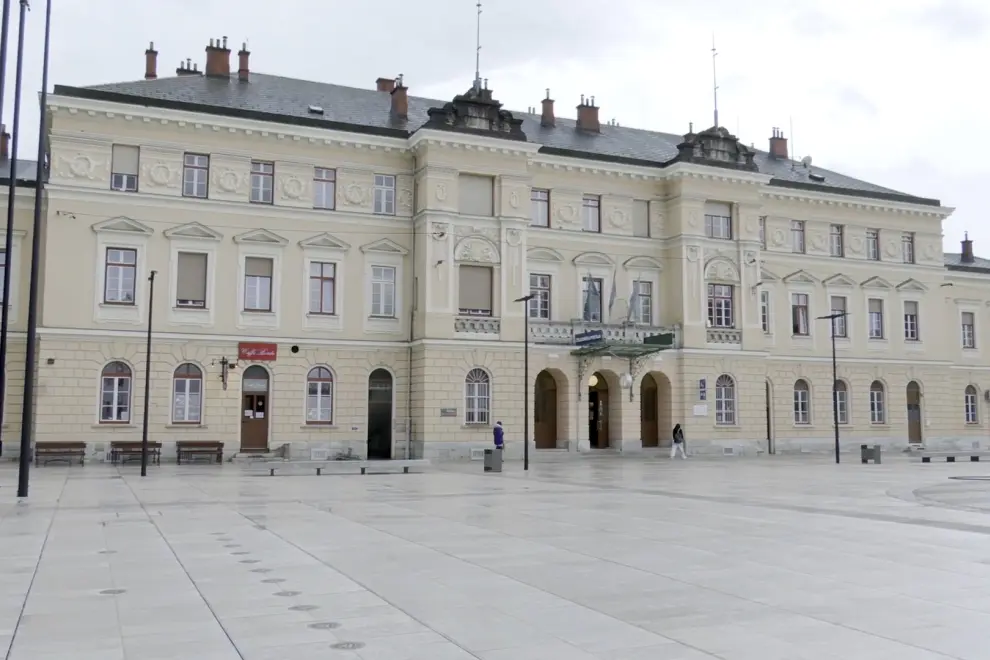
(678, 445)
(499, 436)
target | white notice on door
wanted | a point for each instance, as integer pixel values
(249, 413)
(259, 415)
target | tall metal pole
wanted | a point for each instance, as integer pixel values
(525, 301)
(3, 53)
(27, 408)
(147, 377)
(11, 199)
(835, 394)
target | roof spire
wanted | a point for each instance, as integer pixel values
(477, 51)
(714, 79)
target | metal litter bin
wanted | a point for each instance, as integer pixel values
(493, 460)
(868, 453)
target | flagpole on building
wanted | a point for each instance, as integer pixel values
(3, 53)
(27, 408)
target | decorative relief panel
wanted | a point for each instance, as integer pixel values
(476, 250)
(855, 245)
(514, 193)
(565, 209)
(617, 214)
(720, 269)
(355, 190)
(293, 185)
(817, 242)
(82, 165)
(463, 231)
(656, 218)
(890, 248)
(161, 171)
(404, 195)
(230, 178)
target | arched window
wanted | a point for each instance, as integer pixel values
(842, 401)
(187, 394)
(878, 411)
(802, 402)
(319, 396)
(972, 416)
(477, 397)
(115, 394)
(725, 400)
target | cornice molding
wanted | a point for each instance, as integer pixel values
(451, 140)
(596, 168)
(856, 203)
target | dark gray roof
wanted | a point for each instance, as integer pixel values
(287, 100)
(953, 261)
(27, 171)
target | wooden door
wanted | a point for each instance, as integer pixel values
(914, 413)
(254, 410)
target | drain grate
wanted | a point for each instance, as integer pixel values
(262, 570)
(347, 646)
(241, 552)
(273, 580)
(250, 561)
(304, 608)
(108, 552)
(287, 593)
(324, 625)
(113, 592)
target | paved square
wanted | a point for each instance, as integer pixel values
(582, 559)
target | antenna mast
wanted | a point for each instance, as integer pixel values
(793, 142)
(477, 52)
(714, 79)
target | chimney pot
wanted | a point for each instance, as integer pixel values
(587, 116)
(385, 84)
(151, 62)
(218, 58)
(225, 42)
(400, 99)
(243, 70)
(778, 145)
(547, 119)
(967, 246)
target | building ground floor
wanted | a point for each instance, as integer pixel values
(440, 400)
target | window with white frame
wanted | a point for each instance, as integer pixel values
(970, 401)
(718, 220)
(911, 331)
(725, 400)
(591, 213)
(907, 247)
(190, 280)
(842, 401)
(836, 241)
(875, 306)
(968, 330)
(763, 232)
(838, 305)
(539, 304)
(115, 394)
(196, 175)
(324, 188)
(383, 291)
(873, 244)
(477, 397)
(642, 301)
(797, 236)
(322, 287)
(475, 194)
(474, 293)
(121, 274)
(641, 218)
(258, 284)
(878, 410)
(539, 208)
(720, 306)
(765, 321)
(124, 168)
(319, 396)
(262, 182)
(591, 295)
(187, 394)
(384, 195)
(799, 315)
(802, 402)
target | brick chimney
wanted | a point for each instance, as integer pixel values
(587, 116)
(385, 84)
(778, 145)
(187, 68)
(400, 99)
(4, 143)
(151, 62)
(548, 119)
(243, 70)
(218, 58)
(967, 245)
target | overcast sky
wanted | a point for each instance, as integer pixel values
(890, 91)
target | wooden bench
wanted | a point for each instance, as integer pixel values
(122, 451)
(951, 456)
(191, 449)
(44, 452)
(342, 467)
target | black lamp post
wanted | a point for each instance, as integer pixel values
(147, 377)
(832, 318)
(525, 300)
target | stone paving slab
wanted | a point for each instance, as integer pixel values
(789, 558)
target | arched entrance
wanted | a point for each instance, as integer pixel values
(649, 433)
(545, 411)
(914, 412)
(598, 411)
(255, 420)
(380, 415)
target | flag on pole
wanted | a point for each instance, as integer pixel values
(611, 295)
(633, 301)
(588, 291)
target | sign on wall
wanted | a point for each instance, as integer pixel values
(448, 412)
(254, 351)
(703, 389)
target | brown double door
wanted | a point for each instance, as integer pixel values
(254, 410)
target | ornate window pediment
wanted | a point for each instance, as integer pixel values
(384, 245)
(876, 283)
(195, 231)
(325, 241)
(721, 269)
(543, 254)
(593, 259)
(800, 277)
(642, 263)
(911, 284)
(262, 236)
(839, 280)
(475, 249)
(123, 225)
(767, 276)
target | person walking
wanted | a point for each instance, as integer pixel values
(499, 436)
(678, 445)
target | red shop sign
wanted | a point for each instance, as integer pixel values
(251, 351)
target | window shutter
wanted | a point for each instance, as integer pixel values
(258, 267)
(476, 194)
(911, 308)
(191, 277)
(475, 288)
(641, 218)
(968, 318)
(876, 306)
(125, 159)
(718, 208)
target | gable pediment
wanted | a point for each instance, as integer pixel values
(593, 259)
(876, 283)
(325, 241)
(642, 263)
(543, 254)
(260, 236)
(195, 231)
(800, 277)
(384, 245)
(839, 280)
(123, 225)
(767, 276)
(912, 284)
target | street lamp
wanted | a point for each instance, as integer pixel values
(832, 318)
(525, 300)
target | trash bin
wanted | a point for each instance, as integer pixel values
(868, 453)
(493, 460)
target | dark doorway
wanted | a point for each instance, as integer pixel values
(914, 413)
(254, 418)
(380, 415)
(649, 394)
(598, 412)
(545, 411)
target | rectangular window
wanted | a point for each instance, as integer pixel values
(324, 188)
(591, 213)
(475, 292)
(186, 400)
(842, 404)
(591, 294)
(124, 168)
(765, 312)
(797, 236)
(190, 280)
(799, 314)
(968, 330)
(539, 208)
(873, 244)
(262, 182)
(878, 413)
(195, 175)
(763, 232)
(836, 241)
(322, 287)
(539, 305)
(383, 291)
(121, 274)
(641, 218)
(720, 306)
(876, 318)
(475, 194)
(384, 194)
(258, 284)
(911, 332)
(718, 220)
(907, 248)
(837, 305)
(642, 311)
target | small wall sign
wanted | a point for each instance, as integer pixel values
(253, 351)
(448, 412)
(703, 389)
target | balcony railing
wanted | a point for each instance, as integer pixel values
(563, 332)
(477, 325)
(724, 336)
